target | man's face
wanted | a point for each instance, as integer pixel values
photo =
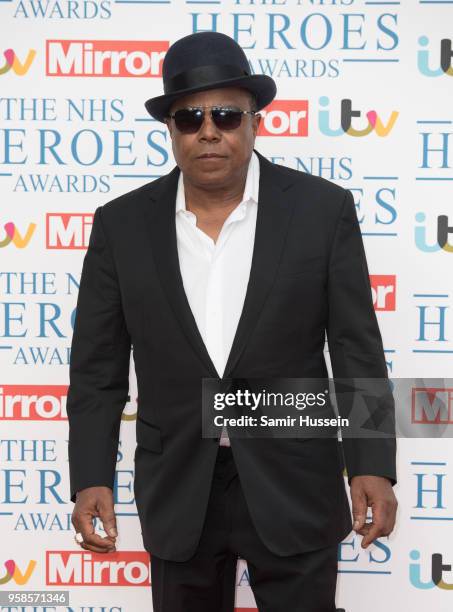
(234, 146)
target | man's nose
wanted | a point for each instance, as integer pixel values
(208, 128)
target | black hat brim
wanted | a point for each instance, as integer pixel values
(261, 85)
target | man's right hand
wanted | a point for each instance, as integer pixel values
(95, 502)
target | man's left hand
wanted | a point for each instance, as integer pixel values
(376, 492)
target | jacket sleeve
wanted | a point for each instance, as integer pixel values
(355, 345)
(98, 370)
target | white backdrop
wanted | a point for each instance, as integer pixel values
(75, 135)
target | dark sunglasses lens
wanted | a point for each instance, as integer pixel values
(226, 119)
(188, 121)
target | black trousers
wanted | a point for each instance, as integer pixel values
(206, 583)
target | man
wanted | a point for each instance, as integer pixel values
(236, 268)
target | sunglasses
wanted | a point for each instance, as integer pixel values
(189, 120)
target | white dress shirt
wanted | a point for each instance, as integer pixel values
(215, 274)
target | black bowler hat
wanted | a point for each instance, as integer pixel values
(207, 60)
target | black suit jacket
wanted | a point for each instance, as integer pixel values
(309, 276)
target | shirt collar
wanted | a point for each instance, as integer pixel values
(250, 190)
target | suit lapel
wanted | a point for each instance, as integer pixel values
(272, 223)
(160, 218)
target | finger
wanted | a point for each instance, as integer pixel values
(374, 532)
(84, 524)
(94, 539)
(381, 524)
(379, 512)
(384, 513)
(79, 529)
(365, 529)
(390, 516)
(108, 518)
(101, 544)
(97, 549)
(359, 507)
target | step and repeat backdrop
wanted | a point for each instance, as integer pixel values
(365, 99)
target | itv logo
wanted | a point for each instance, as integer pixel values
(14, 574)
(14, 236)
(443, 57)
(437, 569)
(347, 114)
(442, 234)
(12, 62)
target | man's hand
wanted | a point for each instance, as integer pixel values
(377, 492)
(95, 502)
